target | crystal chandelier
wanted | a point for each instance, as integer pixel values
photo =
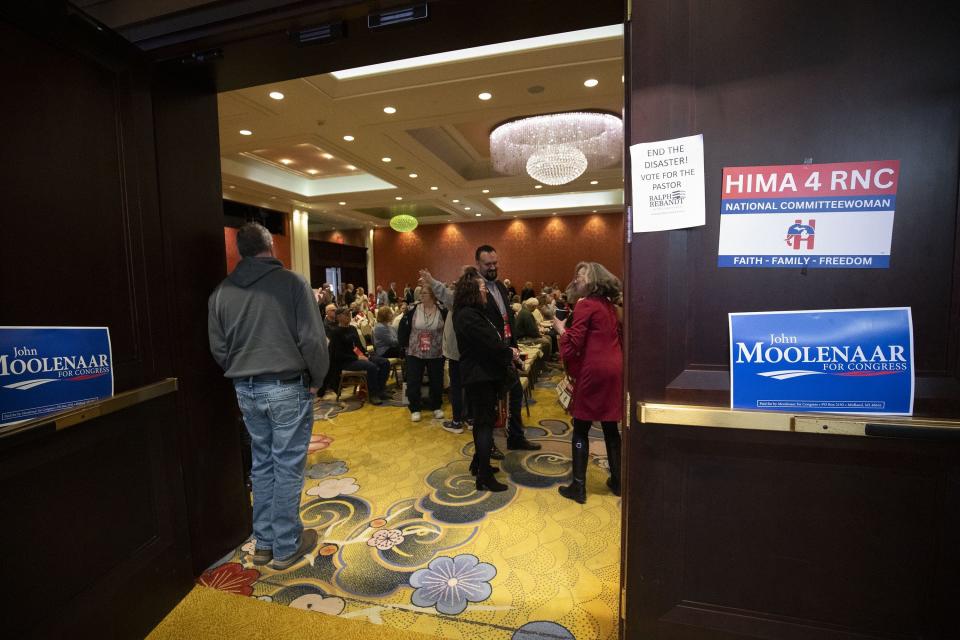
(557, 148)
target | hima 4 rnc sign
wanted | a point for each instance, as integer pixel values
(44, 370)
(818, 216)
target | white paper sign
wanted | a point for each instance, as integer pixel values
(668, 191)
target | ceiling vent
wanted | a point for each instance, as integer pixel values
(318, 35)
(398, 16)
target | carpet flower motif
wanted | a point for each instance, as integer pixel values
(320, 604)
(231, 577)
(319, 442)
(324, 469)
(334, 487)
(385, 539)
(449, 583)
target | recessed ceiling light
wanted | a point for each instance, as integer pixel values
(477, 214)
(232, 186)
(350, 167)
(349, 138)
(434, 188)
(286, 161)
(592, 82)
(341, 203)
(486, 95)
(455, 200)
(399, 198)
(246, 132)
(594, 211)
(273, 197)
(413, 175)
(554, 213)
(390, 110)
(327, 156)
(312, 172)
(276, 95)
(386, 159)
(466, 208)
(594, 182)
(486, 191)
(538, 186)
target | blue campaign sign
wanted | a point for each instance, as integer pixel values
(832, 361)
(48, 369)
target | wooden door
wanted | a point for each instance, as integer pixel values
(113, 218)
(737, 533)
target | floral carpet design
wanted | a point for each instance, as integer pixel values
(406, 540)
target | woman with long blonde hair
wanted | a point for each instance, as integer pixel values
(592, 353)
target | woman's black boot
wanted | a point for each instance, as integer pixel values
(473, 467)
(486, 481)
(613, 458)
(577, 489)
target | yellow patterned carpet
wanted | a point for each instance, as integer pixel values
(406, 541)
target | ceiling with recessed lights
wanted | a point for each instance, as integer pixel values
(353, 148)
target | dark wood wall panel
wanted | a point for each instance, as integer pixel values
(783, 83)
(110, 228)
(855, 96)
(734, 533)
(64, 136)
(188, 170)
(96, 527)
(351, 260)
(784, 535)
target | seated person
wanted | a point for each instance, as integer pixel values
(527, 291)
(528, 330)
(547, 307)
(398, 316)
(537, 314)
(385, 343)
(347, 353)
(329, 319)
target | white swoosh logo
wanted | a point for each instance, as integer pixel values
(24, 385)
(786, 374)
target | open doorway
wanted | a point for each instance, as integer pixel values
(344, 155)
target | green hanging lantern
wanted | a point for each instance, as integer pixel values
(403, 223)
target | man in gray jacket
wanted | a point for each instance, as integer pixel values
(265, 332)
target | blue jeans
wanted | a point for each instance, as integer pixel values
(378, 370)
(279, 418)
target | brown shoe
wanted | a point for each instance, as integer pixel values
(308, 540)
(262, 557)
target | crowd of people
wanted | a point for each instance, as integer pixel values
(475, 325)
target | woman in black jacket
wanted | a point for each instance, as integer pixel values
(484, 358)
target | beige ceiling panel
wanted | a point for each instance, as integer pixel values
(439, 132)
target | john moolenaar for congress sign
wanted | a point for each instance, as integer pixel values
(831, 361)
(48, 369)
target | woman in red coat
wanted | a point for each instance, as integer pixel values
(593, 356)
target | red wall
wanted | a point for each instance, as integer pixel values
(281, 247)
(536, 249)
(353, 237)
